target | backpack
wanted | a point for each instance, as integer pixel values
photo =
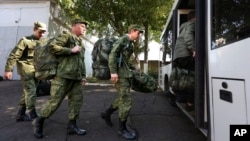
(182, 80)
(45, 63)
(100, 56)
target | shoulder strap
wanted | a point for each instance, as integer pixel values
(70, 41)
(121, 58)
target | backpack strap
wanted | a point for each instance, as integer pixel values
(71, 42)
(121, 58)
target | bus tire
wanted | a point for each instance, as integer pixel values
(166, 84)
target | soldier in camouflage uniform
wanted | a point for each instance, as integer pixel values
(122, 77)
(69, 79)
(23, 55)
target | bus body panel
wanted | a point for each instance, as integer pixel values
(164, 72)
(228, 106)
(229, 87)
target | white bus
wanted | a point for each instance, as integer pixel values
(222, 70)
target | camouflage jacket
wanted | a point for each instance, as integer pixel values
(23, 55)
(123, 46)
(71, 65)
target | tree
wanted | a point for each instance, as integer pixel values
(112, 17)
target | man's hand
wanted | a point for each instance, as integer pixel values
(7, 75)
(76, 49)
(114, 77)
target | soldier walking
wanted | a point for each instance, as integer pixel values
(69, 79)
(122, 77)
(23, 55)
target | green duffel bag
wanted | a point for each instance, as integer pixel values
(143, 82)
(182, 80)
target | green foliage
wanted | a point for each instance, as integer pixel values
(153, 73)
(109, 18)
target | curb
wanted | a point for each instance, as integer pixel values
(98, 84)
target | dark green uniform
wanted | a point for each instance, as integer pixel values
(68, 80)
(23, 55)
(125, 47)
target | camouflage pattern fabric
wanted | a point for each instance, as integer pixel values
(102, 72)
(68, 79)
(23, 55)
(45, 62)
(28, 98)
(60, 87)
(143, 82)
(182, 80)
(122, 47)
(124, 100)
(100, 56)
(71, 66)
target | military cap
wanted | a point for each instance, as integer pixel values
(40, 25)
(76, 21)
(136, 27)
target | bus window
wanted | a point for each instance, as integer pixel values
(183, 18)
(231, 21)
(167, 44)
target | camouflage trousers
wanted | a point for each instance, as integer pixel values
(28, 98)
(124, 101)
(60, 88)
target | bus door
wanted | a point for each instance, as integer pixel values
(182, 17)
(199, 115)
(228, 65)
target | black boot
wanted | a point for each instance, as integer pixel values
(73, 129)
(124, 132)
(32, 114)
(38, 127)
(107, 115)
(21, 116)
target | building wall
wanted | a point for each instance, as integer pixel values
(19, 17)
(17, 21)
